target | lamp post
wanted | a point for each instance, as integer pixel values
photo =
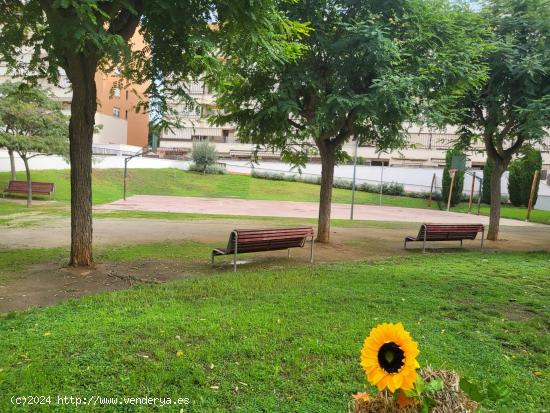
(353, 180)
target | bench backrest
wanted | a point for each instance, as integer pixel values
(252, 240)
(438, 232)
(37, 187)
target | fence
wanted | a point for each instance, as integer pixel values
(389, 186)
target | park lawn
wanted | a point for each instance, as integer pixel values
(510, 212)
(286, 339)
(108, 187)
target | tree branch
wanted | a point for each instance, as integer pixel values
(296, 124)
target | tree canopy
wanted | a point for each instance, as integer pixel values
(512, 107)
(183, 39)
(31, 124)
(369, 67)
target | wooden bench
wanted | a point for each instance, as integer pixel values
(258, 240)
(447, 232)
(22, 187)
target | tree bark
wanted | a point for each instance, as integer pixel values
(12, 165)
(29, 181)
(81, 72)
(327, 151)
(494, 215)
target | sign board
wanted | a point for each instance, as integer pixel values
(458, 162)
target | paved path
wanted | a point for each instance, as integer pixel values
(256, 208)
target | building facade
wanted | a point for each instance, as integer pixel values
(116, 118)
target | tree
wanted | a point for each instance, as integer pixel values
(369, 66)
(522, 173)
(512, 108)
(31, 124)
(81, 37)
(458, 183)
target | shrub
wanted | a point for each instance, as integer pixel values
(486, 190)
(393, 188)
(204, 157)
(210, 169)
(458, 185)
(522, 172)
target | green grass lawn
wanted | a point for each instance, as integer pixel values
(286, 339)
(107, 187)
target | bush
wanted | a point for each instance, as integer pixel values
(486, 190)
(458, 185)
(210, 169)
(392, 188)
(204, 157)
(522, 172)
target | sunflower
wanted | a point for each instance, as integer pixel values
(388, 357)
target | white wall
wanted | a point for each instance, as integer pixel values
(113, 130)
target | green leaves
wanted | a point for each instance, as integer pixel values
(31, 122)
(495, 392)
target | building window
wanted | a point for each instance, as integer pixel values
(126, 95)
(116, 112)
(126, 114)
(116, 92)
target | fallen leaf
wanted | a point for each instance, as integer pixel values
(214, 387)
(47, 333)
(179, 353)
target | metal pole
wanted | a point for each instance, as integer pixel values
(431, 191)
(479, 195)
(472, 193)
(353, 180)
(125, 175)
(381, 182)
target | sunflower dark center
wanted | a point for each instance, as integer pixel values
(390, 357)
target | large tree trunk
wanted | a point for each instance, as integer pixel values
(327, 150)
(12, 165)
(494, 215)
(81, 71)
(29, 181)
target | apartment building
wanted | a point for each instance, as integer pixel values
(116, 119)
(194, 125)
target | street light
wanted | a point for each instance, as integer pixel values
(353, 180)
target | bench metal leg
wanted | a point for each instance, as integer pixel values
(212, 258)
(289, 253)
(424, 241)
(405, 244)
(311, 250)
(235, 251)
(460, 243)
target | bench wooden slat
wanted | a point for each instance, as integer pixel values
(22, 187)
(447, 232)
(269, 239)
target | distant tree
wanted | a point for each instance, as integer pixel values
(458, 184)
(369, 67)
(512, 108)
(31, 124)
(521, 175)
(204, 157)
(82, 37)
(486, 189)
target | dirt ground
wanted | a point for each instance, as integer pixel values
(48, 283)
